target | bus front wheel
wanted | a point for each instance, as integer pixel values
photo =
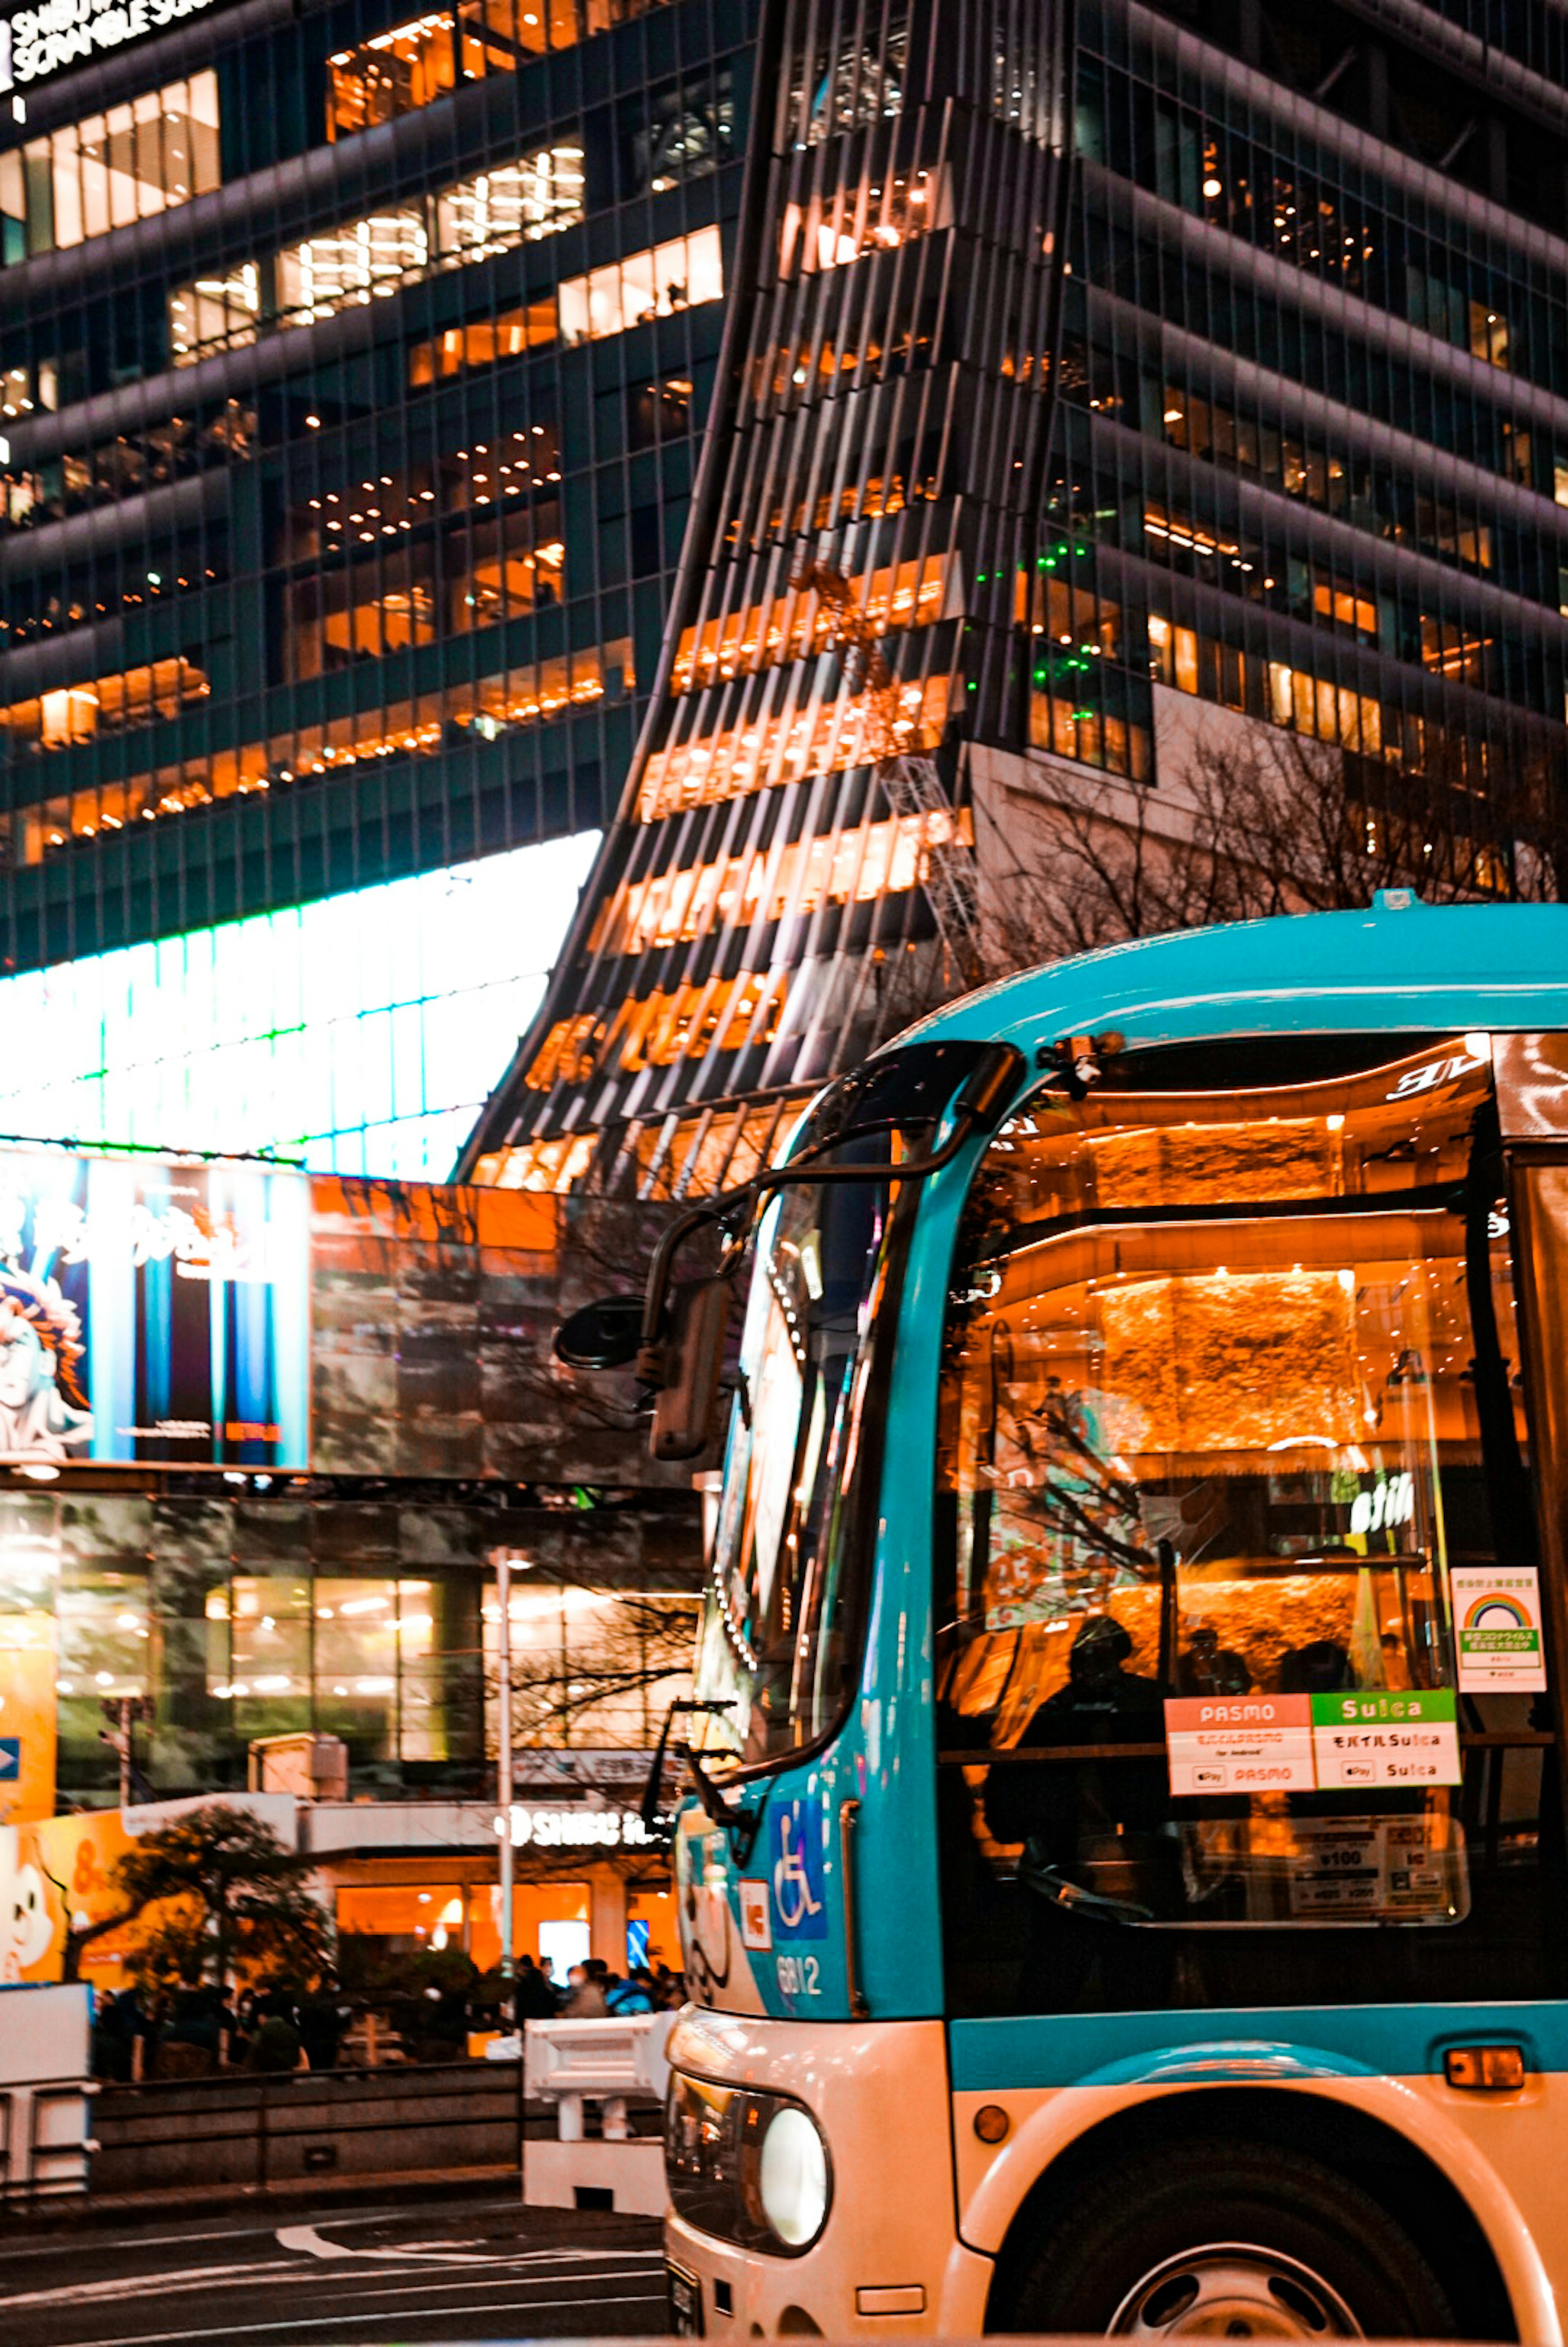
(1236, 2240)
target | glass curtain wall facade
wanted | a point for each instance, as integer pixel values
(1260, 401)
(376, 1621)
(353, 367)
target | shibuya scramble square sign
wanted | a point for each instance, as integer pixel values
(36, 42)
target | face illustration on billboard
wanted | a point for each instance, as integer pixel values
(152, 1311)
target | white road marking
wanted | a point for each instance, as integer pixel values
(146, 2285)
(320, 2322)
(132, 2240)
(180, 2282)
(309, 2243)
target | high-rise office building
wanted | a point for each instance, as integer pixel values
(1251, 421)
(352, 363)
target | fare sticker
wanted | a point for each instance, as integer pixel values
(1380, 1735)
(1497, 1627)
(1239, 1744)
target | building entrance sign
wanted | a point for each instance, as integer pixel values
(576, 1828)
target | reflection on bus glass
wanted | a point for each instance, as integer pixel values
(1229, 1391)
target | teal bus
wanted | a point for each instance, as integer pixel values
(1126, 1890)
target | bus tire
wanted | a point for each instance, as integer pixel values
(1235, 2240)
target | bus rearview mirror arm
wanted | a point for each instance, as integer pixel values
(978, 1106)
(678, 1355)
(648, 1808)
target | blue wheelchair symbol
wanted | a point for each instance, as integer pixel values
(800, 1907)
(10, 1760)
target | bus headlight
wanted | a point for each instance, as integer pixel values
(749, 2168)
(792, 2177)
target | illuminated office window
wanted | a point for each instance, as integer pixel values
(484, 342)
(351, 263)
(361, 1032)
(651, 284)
(442, 549)
(70, 714)
(392, 74)
(214, 313)
(512, 204)
(108, 170)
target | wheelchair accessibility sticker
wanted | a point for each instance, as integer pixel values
(795, 1850)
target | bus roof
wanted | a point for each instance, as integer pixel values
(1401, 965)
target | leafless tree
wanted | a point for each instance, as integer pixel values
(1263, 822)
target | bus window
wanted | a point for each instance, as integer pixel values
(780, 1641)
(1230, 1386)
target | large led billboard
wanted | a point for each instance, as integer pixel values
(360, 1032)
(154, 1311)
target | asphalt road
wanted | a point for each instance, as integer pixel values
(485, 2269)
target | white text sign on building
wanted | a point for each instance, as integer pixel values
(37, 42)
(576, 1828)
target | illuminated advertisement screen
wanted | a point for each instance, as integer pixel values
(153, 1311)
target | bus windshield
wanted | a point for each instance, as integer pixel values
(781, 1631)
(1231, 1436)
(779, 1635)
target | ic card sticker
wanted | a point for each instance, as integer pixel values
(1383, 1735)
(1375, 1867)
(1243, 1744)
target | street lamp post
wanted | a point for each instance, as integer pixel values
(503, 1758)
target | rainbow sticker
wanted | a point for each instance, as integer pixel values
(1497, 1611)
(1497, 1617)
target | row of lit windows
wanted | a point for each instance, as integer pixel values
(1217, 433)
(687, 1023)
(104, 172)
(460, 716)
(801, 623)
(1293, 697)
(1332, 356)
(376, 256)
(681, 1156)
(508, 205)
(395, 72)
(837, 225)
(162, 148)
(119, 580)
(1308, 592)
(79, 481)
(1407, 615)
(786, 880)
(826, 736)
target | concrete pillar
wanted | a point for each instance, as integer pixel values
(608, 1915)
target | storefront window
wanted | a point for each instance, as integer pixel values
(591, 1667)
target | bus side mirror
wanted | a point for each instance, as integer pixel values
(688, 1365)
(602, 1336)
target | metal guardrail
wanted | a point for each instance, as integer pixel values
(330, 2111)
(329, 2107)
